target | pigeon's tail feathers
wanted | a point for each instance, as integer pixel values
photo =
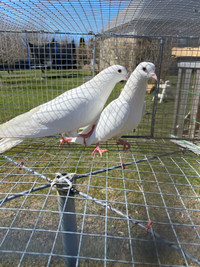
(77, 140)
(8, 143)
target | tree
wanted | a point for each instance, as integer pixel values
(12, 49)
(82, 53)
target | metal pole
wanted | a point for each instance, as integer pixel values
(160, 58)
(57, 54)
(66, 205)
(27, 48)
(94, 56)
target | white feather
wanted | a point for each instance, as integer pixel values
(8, 143)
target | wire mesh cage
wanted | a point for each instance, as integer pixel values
(62, 206)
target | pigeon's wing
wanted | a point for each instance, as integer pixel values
(112, 120)
(144, 108)
(18, 126)
(65, 113)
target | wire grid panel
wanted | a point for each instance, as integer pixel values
(140, 17)
(36, 67)
(186, 122)
(160, 185)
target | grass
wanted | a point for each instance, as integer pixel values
(148, 187)
(22, 90)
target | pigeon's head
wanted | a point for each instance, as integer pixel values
(147, 70)
(116, 72)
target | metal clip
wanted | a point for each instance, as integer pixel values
(20, 166)
(122, 163)
(148, 226)
(63, 181)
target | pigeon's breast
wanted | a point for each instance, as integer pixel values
(134, 118)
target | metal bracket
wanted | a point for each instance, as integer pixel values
(63, 181)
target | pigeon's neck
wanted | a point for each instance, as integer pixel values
(104, 88)
(134, 90)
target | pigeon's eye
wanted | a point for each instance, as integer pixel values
(144, 69)
(119, 71)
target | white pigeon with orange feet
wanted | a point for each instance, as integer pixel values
(124, 113)
(66, 113)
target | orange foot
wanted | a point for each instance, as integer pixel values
(101, 151)
(65, 140)
(124, 143)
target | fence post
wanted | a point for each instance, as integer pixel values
(158, 72)
(94, 56)
(66, 205)
(27, 49)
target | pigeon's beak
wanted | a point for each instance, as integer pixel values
(154, 76)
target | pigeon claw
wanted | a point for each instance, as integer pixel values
(87, 134)
(125, 144)
(65, 140)
(101, 151)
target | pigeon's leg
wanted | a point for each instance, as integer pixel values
(124, 143)
(87, 134)
(98, 149)
(64, 140)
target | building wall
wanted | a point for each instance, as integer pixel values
(129, 52)
(116, 50)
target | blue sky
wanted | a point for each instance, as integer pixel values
(75, 16)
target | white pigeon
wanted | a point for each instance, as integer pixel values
(68, 112)
(124, 113)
